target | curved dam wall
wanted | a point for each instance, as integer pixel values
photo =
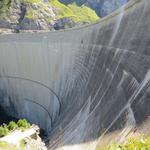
(80, 83)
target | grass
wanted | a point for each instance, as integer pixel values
(138, 143)
(3, 144)
(79, 14)
(8, 146)
(83, 13)
(30, 1)
(63, 10)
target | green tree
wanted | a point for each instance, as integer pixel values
(12, 125)
(22, 123)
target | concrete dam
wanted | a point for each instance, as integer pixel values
(80, 83)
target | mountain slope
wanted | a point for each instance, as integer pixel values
(43, 14)
(101, 7)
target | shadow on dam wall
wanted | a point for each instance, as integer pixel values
(80, 82)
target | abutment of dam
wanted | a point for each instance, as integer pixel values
(78, 83)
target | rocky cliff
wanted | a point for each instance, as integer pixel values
(43, 14)
(53, 14)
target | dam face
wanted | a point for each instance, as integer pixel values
(80, 83)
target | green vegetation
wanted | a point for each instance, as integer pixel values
(83, 14)
(8, 146)
(22, 124)
(77, 13)
(3, 130)
(138, 143)
(12, 125)
(30, 1)
(4, 7)
(22, 144)
(3, 144)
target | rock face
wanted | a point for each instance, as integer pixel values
(64, 23)
(5, 24)
(32, 144)
(105, 7)
(20, 16)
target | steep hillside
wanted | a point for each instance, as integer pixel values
(101, 7)
(43, 14)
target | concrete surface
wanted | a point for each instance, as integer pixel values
(81, 83)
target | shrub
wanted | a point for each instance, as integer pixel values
(3, 144)
(3, 131)
(12, 125)
(78, 14)
(4, 7)
(22, 123)
(139, 143)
